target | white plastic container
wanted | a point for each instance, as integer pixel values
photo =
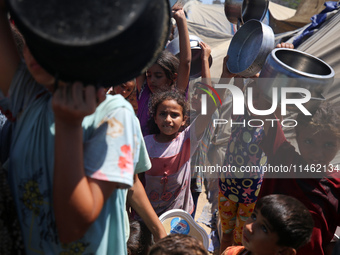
(180, 222)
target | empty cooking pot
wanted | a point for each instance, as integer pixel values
(240, 11)
(249, 48)
(106, 42)
(196, 51)
(294, 68)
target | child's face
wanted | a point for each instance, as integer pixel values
(258, 236)
(125, 89)
(169, 118)
(317, 147)
(38, 73)
(156, 79)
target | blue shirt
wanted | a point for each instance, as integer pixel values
(113, 144)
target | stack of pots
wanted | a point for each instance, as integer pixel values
(253, 41)
(252, 50)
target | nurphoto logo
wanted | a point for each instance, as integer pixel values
(238, 103)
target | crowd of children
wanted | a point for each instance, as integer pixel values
(89, 170)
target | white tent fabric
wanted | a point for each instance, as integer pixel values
(210, 16)
(325, 45)
(210, 24)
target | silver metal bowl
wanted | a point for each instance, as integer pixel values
(196, 51)
(240, 11)
(249, 48)
(294, 68)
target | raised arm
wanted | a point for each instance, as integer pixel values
(10, 58)
(185, 50)
(140, 81)
(202, 120)
(206, 51)
(78, 199)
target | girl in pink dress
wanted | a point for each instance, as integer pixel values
(167, 183)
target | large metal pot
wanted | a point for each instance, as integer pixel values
(240, 11)
(196, 51)
(294, 68)
(249, 48)
(106, 42)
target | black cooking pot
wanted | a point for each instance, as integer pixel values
(104, 42)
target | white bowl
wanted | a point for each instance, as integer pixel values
(180, 222)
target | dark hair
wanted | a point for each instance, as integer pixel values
(139, 240)
(324, 118)
(159, 97)
(178, 244)
(289, 218)
(169, 63)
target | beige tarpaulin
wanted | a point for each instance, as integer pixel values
(301, 17)
(279, 12)
(325, 45)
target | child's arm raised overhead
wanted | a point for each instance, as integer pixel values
(211, 106)
(10, 58)
(206, 51)
(140, 81)
(78, 199)
(185, 49)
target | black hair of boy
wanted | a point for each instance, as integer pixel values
(289, 218)
(178, 244)
(139, 240)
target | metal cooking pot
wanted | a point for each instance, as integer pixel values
(103, 42)
(240, 11)
(294, 68)
(249, 48)
(196, 51)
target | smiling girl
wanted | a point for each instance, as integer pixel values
(167, 183)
